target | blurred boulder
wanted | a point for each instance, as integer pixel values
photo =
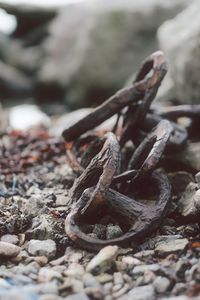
(13, 82)
(94, 46)
(29, 18)
(26, 116)
(14, 54)
(180, 40)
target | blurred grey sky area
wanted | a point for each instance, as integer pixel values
(8, 22)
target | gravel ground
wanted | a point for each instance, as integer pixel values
(38, 261)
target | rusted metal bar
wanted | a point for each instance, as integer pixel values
(147, 218)
(145, 87)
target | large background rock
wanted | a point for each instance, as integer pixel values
(82, 52)
(95, 46)
(29, 18)
(180, 40)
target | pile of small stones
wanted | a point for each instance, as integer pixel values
(39, 262)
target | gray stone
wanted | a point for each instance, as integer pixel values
(32, 117)
(179, 298)
(42, 227)
(144, 268)
(190, 156)
(79, 296)
(113, 231)
(145, 292)
(73, 255)
(144, 253)
(179, 181)
(8, 250)
(42, 248)
(103, 260)
(75, 270)
(101, 34)
(13, 81)
(189, 203)
(182, 49)
(168, 247)
(131, 261)
(49, 297)
(104, 278)
(16, 294)
(161, 284)
(179, 288)
(29, 16)
(50, 287)
(100, 231)
(47, 274)
(10, 238)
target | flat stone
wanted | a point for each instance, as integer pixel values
(16, 294)
(49, 297)
(47, 274)
(42, 248)
(161, 284)
(144, 253)
(75, 270)
(10, 238)
(131, 261)
(182, 297)
(79, 296)
(168, 247)
(145, 292)
(189, 203)
(8, 250)
(143, 268)
(104, 278)
(42, 288)
(103, 260)
(179, 288)
(73, 255)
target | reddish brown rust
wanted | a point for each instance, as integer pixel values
(97, 188)
(156, 141)
(135, 116)
(142, 218)
(99, 172)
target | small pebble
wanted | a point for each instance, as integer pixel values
(174, 246)
(42, 248)
(144, 268)
(145, 292)
(47, 274)
(161, 284)
(79, 296)
(131, 261)
(118, 278)
(104, 278)
(8, 250)
(75, 270)
(113, 231)
(10, 238)
(103, 261)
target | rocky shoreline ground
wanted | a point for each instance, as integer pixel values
(38, 261)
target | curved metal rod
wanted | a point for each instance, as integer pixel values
(99, 172)
(156, 64)
(147, 218)
(156, 141)
(145, 87)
